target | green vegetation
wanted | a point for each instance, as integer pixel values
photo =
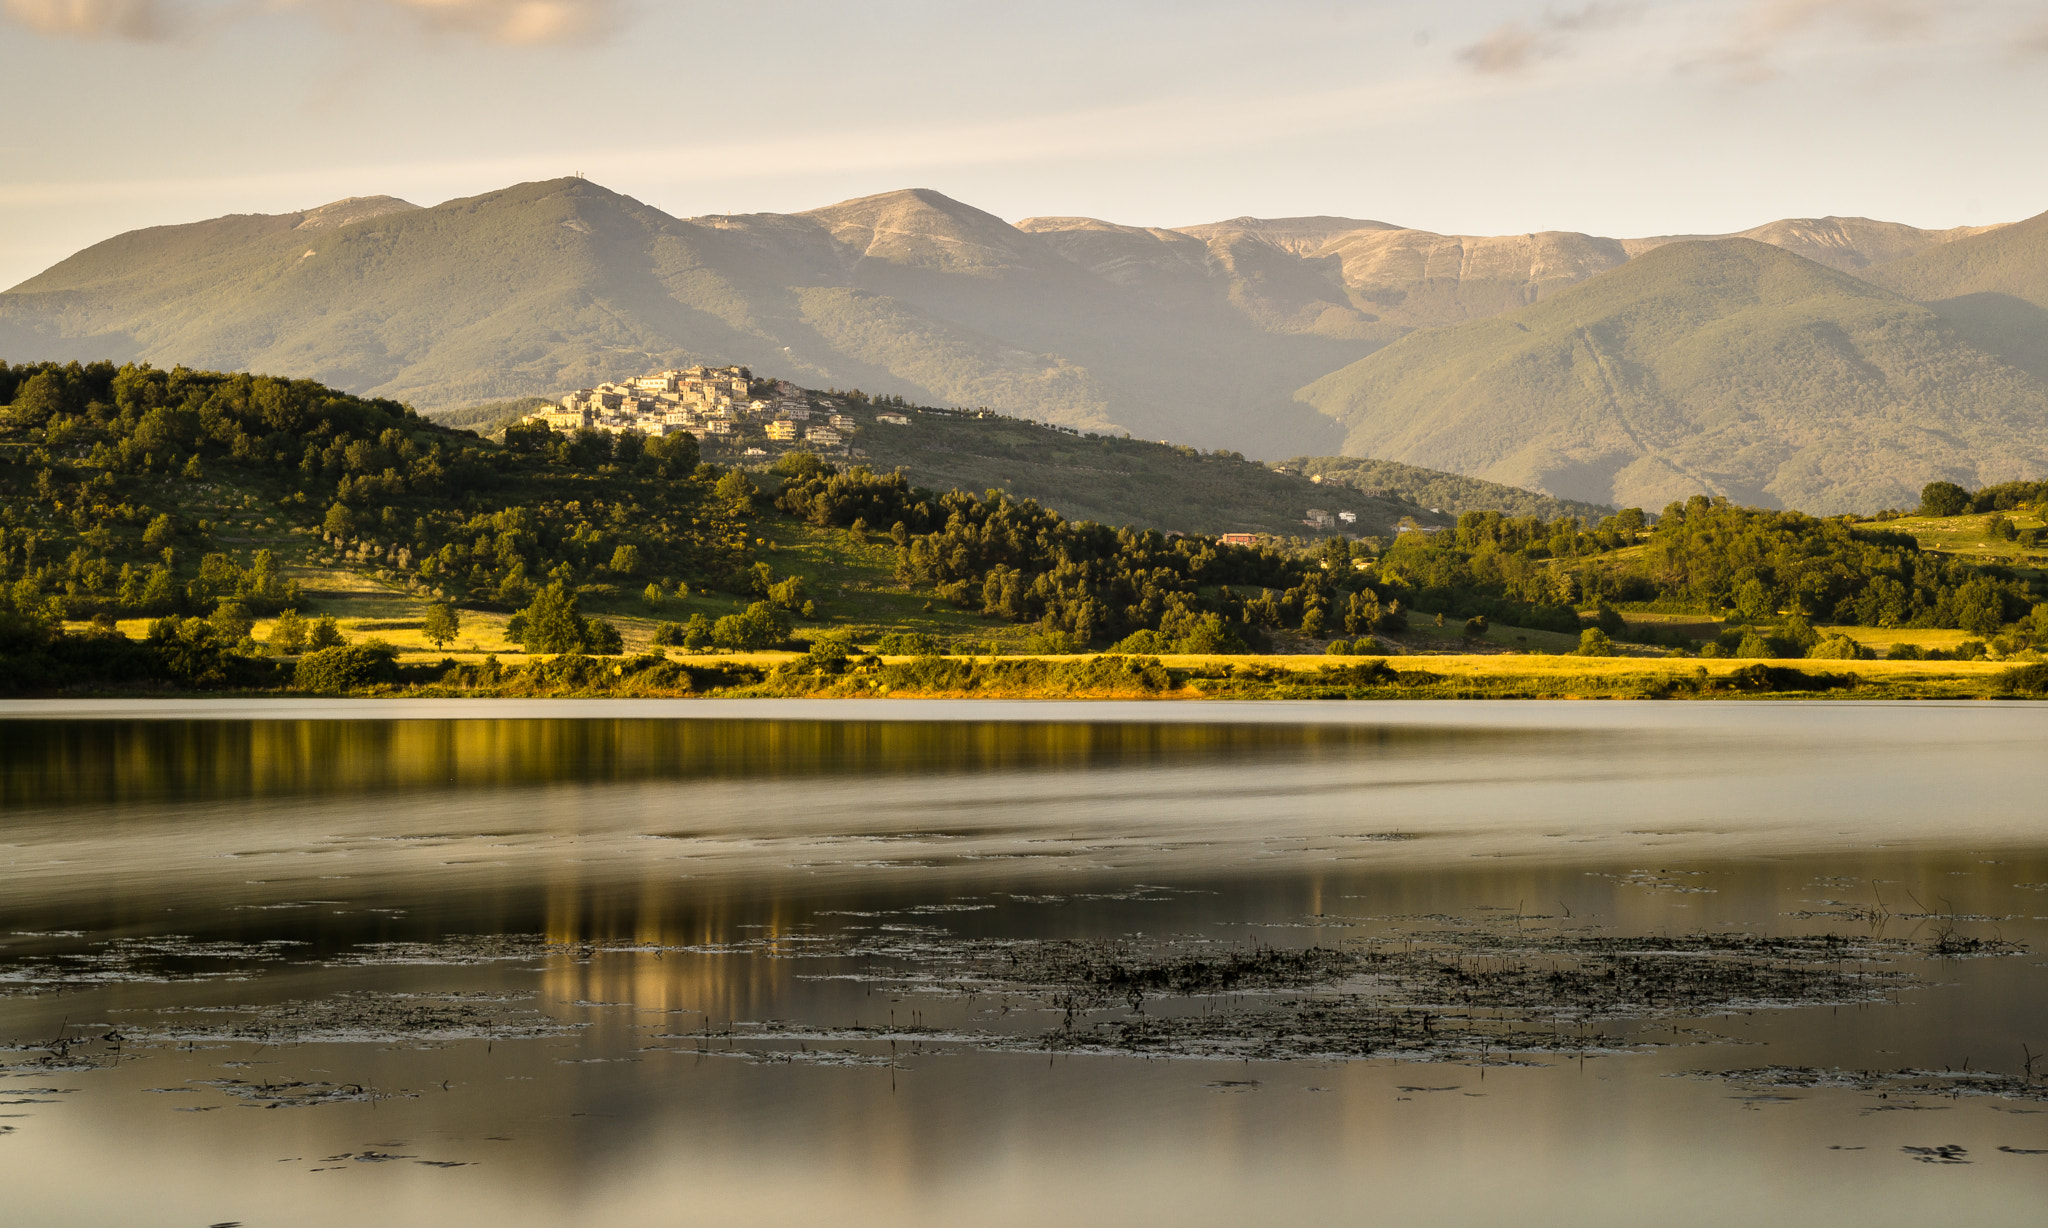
(1992, 288)
(228, 519)
(490, 417)
(1731, 368)
(1424, 489)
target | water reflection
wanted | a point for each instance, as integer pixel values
(669, 892)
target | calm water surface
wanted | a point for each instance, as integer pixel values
(758, 963)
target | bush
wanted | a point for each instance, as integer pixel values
(341, 670)
(1905, 652)
(762, 626)
(669, 635)
(1838, 648)
(1593, 642)
(1338, 648)
(2025, 680)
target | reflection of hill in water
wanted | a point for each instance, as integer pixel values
(63, 763)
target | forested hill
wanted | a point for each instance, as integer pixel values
(1430, 488)
(1731, 367)
(198, 501)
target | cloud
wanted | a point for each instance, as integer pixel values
(132, 19)
(1767, 27)
(521, 23)
(518, 23)
(1512, 47)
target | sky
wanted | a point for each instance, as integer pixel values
(1619, 117)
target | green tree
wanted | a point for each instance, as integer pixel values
(340, 522)
(441, 625)
(652, 595)
(553, 623)
(1943, 499)
(762, 626)
(288, 632)
(737, 491)
(161, 532)
(626, 560)
(325, 634)
(698, 634)
(232, 620)
(1593, 642)
(603, 639)
(193, 472)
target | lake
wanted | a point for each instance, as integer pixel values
(908, 963)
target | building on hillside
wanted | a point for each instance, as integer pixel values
(718, 426)
(1239, 539)
(563, 419)
(843, 422)
(1348, 517)
(893, 419)
(823, 435)
(782, 430)
(1318, 518)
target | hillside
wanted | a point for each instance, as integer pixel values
(1452, 493)
(1728, 367)
(1993, 287)
(1199, 334)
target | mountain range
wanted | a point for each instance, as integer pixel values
(1822, 363)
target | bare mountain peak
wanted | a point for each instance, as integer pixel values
(350, 210)
(923, 228)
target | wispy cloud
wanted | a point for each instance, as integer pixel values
(133, 19)
(1766, 27)
(508, 22)
(1514, 46)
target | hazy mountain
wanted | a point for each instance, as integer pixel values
(1725, 366)
(1201, 333)
(1992, 286)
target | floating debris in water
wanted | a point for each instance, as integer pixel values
(361, 1017)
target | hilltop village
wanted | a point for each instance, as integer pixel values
(718, 405)
(737, 418)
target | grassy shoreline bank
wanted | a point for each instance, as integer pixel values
(1166, 678)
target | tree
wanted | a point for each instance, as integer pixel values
(1943, 499)
(1593, 642)
(668, 635)
(193, 473)
(698, 634)
(161, 532)
(1628, 522)
(762, 626)
(232, 620)
(340, 522)
(441, 625)
(324, 634)
(652, 595)
(553, 623)
(737, 491)
(288, 632)
(626, 560)
(603, 639)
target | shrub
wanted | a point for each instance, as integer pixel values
(1593, 642)
(1905, 652)
(2025, 680)
(669, 635)
(340, 670)
(1838, 648)
(1338, 648)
